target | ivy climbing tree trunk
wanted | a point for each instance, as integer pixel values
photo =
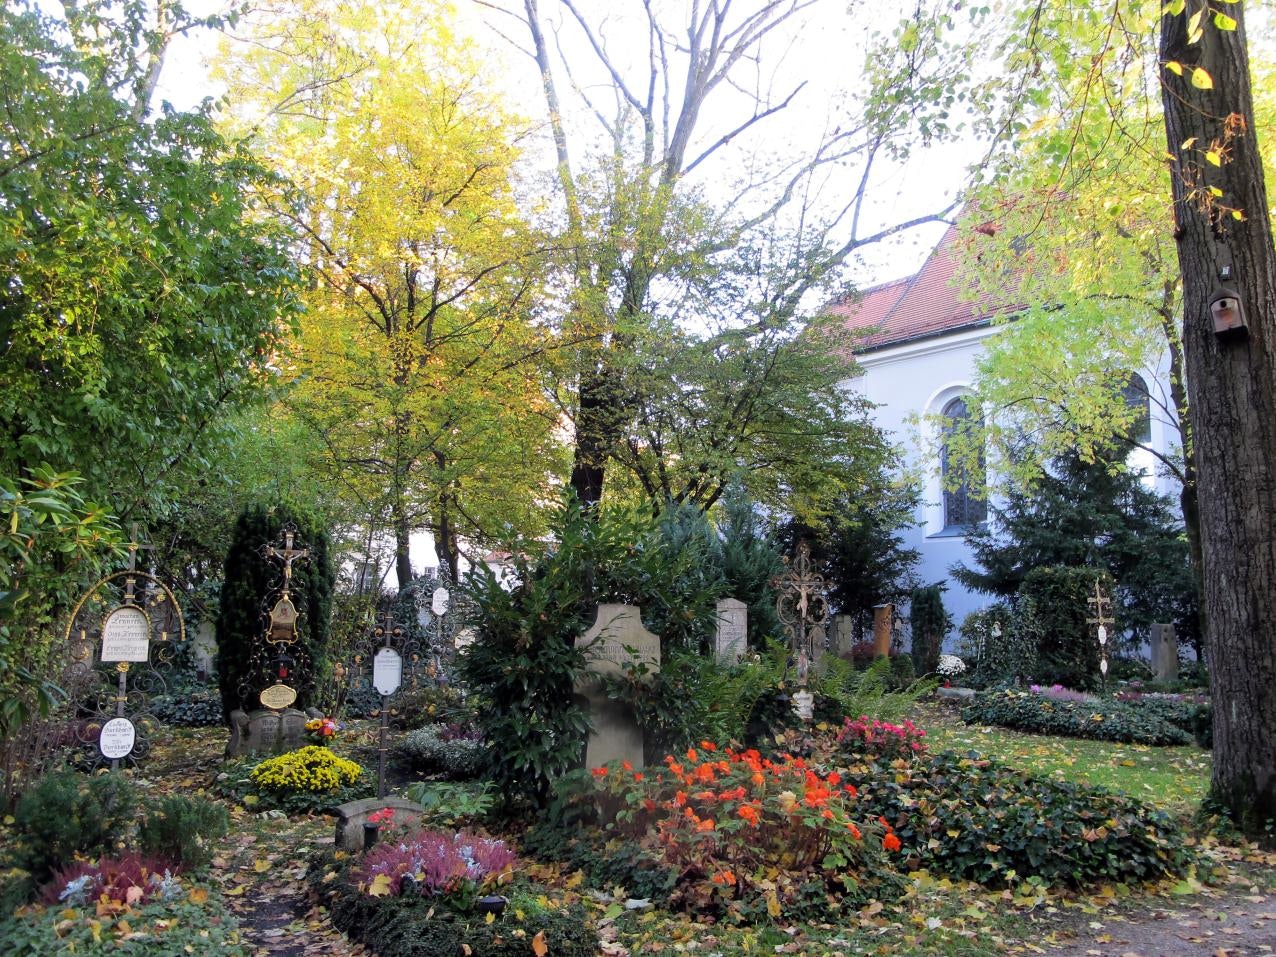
(1222, 222)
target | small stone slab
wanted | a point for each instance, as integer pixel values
(353, 815)
(955, 694)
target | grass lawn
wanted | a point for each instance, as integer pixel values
(1175, 779)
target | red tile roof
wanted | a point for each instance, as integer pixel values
(919, 307)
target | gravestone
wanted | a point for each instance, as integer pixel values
(204, 649)
(353, 815)
(843, 635)
(266, 732)
(730, 640)
(1165, 653)
(616, 639)
(883, 615)
(818, 644)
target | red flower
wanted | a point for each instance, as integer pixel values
(599, 772)
(891, 842)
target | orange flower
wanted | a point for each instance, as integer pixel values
(724, 877)
(626, 765)
(855, 831)
(691, 755)
(638, 776)
(707, 824)
(599, 772)
(749, 813)
(834, 779)
(852, 790)
(675, 768)
(891, 842)
(704, 796)
(704, 774)
(826, 814)
(709, 746)
(680, 798)
(759, 780)
(690, 814)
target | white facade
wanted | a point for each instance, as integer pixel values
(913, 380)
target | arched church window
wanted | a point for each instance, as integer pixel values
(1136, 397)
(965, 505)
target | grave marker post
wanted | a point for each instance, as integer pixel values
(803, 608)
(387, 675)
(1101, 606)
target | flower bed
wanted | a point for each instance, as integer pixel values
(417, 924)
(881, 739)
(733, 835)
(302, 781)
(123, 905)
(1104, 720)
(990, 823)
(448, 750)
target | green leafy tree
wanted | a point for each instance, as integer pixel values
(145, 298)
(251, 585)
(751, 557)
(418, 366)
(647, 247)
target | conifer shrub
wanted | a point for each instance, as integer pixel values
(250, 587)
(930, 623)
(67, 815)
(183, 830)
(1051, 617)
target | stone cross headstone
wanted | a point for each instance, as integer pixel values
(1165, 653)
(615, 640)
(843, 635)
(730, 640)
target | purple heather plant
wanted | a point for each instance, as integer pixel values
(441, 863)
(1060, 693)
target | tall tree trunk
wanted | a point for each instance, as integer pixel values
(402, 556)
(589, 459)
(445, 543)
(1232, 390)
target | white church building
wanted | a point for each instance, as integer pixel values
(917, 343)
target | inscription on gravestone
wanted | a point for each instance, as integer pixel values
(616, 639)
(730, 640)
(117, 738)
(126, 635)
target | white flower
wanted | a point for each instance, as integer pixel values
(950, 666)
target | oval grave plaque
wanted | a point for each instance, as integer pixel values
(387, 671)
(126, 635)
(278, 696)
(438, 602)
(117, 738)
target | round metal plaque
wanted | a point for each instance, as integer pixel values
(278, 696)
(126, 635)
(117, 738)
(387, 671)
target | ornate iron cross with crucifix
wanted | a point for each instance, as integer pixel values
(803, 608)
(1101, 617)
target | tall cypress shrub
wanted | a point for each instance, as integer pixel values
(930, 621)
(1052, 616)
(251, 584)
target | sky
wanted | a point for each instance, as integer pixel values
(823, 55)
